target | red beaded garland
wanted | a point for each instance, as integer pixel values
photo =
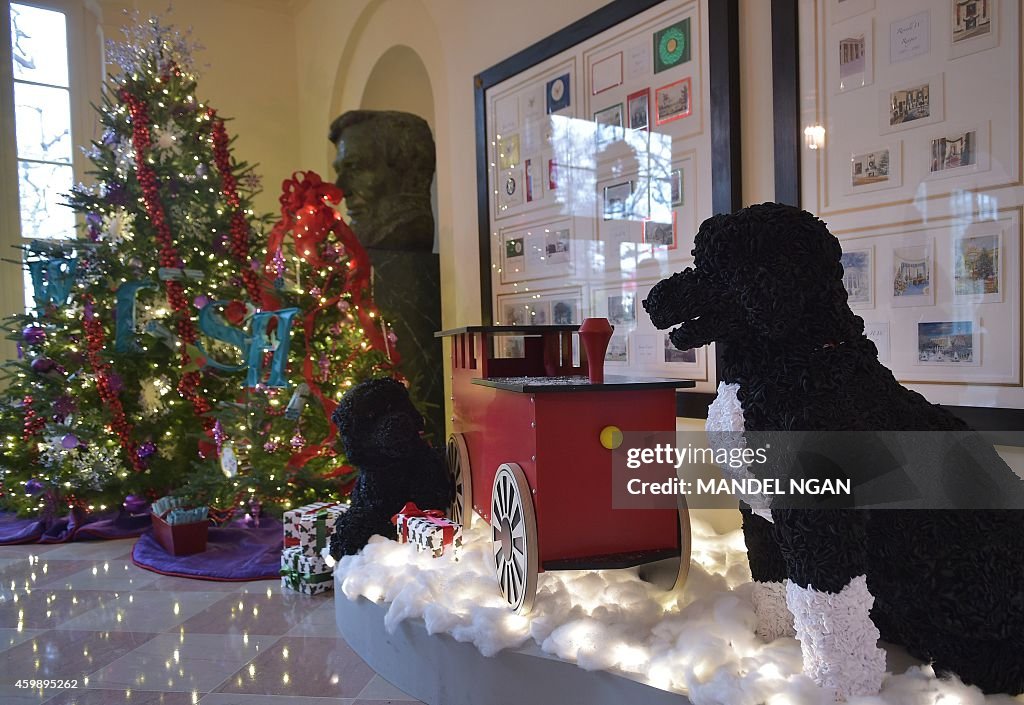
(141, 141)
(33, 421)
(94, 353)
(239, 229)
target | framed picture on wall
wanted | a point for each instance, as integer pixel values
(674, 101)
(974, 26)
(875, 168)
(853, 54)
(616, 148)
(638, 109)
(660, 234)
(911, 103)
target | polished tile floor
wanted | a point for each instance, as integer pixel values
(83, 612)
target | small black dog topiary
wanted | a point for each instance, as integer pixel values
(380, 432)
(947, 583)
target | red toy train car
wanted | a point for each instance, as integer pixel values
(526, 454)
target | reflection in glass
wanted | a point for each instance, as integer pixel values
(39, 45)
(40, 187)
(43, 119)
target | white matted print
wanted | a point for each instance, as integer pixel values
(510, 189)
(909, 37)
(608, 124)
(617, 203)
(618, 350)
(618, 304)
(661, 234)
(876, 168)
(506, 112)
(676, 188)
(524, 311)
(514, 260)
(974, 26)
(557, 246)
(959, 150)
(853, 55)
(859, 277)
(878, 333)
(565, 309)
(508, 151)
(844, 9)
(536, 252)
(674, 355)
(911, 103)
(518, 311)
(646, 346)
(955, 343)
(606, 73)
(912, 275)
(978, 268)
(622, 308)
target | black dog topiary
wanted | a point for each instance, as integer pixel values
(380, 432)
(946, 583)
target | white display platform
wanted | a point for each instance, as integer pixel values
(440, 630)
(439, 670)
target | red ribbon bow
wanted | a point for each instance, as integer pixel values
(307, 215)
(410, 511)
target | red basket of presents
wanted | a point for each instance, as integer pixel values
(181, 531)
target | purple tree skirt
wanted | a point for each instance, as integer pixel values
(233, 553)
(74, 527)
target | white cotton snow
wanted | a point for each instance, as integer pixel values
(698, 641)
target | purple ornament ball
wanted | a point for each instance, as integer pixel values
(33, 335)
(43, 365)
(201, 301)
(145, 450)
(134, 504)
(33, 486)
(69, 441)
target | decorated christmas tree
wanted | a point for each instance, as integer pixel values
(279, 435)
(170, 350)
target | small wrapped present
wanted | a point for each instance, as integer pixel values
(303, 573)
(310, 527)
(428, 529)
(181, 530)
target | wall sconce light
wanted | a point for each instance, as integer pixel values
(814, 136)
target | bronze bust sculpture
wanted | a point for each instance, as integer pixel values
(385, 166)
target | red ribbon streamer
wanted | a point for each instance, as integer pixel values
(101, 368)
(307, 215)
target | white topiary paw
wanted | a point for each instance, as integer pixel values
(837, 637)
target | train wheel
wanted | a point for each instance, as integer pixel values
(457, 453)
(665, 574)
(514, 537)
(685, 544)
